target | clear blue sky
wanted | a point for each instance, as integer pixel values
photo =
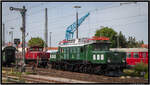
(131, 19)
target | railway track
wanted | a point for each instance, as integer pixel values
(29, 79)
(48, 73)
(40, 79)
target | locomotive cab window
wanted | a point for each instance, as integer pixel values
(135, 55)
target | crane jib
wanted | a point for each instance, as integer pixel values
(72, 28)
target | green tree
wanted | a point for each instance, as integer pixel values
(110, 33)
(122, 40)
(36, 42)
(132, 43)
(139, 43)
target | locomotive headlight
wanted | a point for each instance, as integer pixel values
(123, 60)
(108, 60)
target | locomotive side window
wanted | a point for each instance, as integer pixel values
(135, 55)
(78, 50)
(129, 55)
(70, 50)
(65, 53)
(74, 49)
(65, 50)
(81, 49)
(144, 55)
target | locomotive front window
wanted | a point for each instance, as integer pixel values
(94, 57)
(102, 56)
(136, 55)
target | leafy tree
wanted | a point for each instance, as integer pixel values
(115, 38)
(110, 33)
(122, 40)
(36, 42)
(132, 43)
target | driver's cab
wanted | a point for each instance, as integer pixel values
(101, 46)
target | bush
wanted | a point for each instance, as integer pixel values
(130, 72)
(141, 67)
(146, 75)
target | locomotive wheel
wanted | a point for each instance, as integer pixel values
(76, 68)
(65, 67)
(89, 68)
(84, 69)
(70, 67)
(54, 65)
(80, 68)
(58, 66)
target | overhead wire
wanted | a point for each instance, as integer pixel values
(65, 15)
(102, 21)
(82, 12)
(33, 13)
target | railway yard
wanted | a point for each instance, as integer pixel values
(100, 53)
(43, 75)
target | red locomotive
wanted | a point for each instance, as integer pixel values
(134, 55)
(37, 55)
(133, 58)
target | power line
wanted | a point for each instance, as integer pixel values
(55, 26)
(100, 9)
(129, 17)
(62, 16)
(32, 13)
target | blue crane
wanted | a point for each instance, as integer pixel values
(72, 28)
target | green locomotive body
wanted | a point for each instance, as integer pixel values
(91, 57)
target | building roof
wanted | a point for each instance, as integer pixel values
(144, 45)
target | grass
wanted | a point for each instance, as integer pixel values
(146, 76)
(137, 70)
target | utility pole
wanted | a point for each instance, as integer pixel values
(3, 34)
(23, 13)
(77, 20)
(117, 41)
(46, 30)
(50, 38)
(12, 35)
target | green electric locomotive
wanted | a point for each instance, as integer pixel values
(88, 55)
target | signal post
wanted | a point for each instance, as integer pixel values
(23, 13)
